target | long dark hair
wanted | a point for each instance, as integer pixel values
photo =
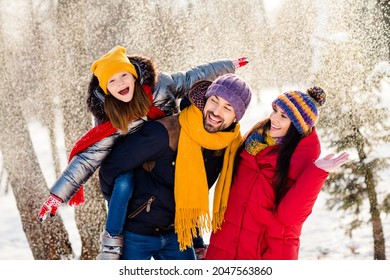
(284, 150)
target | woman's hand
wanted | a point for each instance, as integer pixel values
(330, 163)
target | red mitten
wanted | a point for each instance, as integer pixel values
(242, 61)
(50, 205)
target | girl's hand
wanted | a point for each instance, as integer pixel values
(240, 62)
(49, 206)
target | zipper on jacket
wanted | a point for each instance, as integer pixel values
(146, 205)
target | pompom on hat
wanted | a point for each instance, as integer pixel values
(111, 63)
(234, 90)
(302, 108)
(197, 93)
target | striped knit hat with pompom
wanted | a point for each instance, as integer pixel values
(302, 108)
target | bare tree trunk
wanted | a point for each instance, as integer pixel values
(44, 109)
(384, 6)
(92, 212)
(377, 228)
(56, 158)
(47, 240)
(90, 217)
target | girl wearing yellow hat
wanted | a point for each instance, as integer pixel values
(124, 92)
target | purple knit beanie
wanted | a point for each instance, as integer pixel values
(234, 90)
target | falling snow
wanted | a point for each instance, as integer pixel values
(46, 48)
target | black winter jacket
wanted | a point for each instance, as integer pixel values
(151, 153)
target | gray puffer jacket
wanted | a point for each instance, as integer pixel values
(167, 88)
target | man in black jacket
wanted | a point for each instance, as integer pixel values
(175, 161)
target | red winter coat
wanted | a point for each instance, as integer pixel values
(251, 229)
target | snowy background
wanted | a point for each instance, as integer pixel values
(323, 233)
(323, 236)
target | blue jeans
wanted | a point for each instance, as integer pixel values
(117, 206)
(159, 247)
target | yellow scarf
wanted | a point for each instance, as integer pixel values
(191, 188)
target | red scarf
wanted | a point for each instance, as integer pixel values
(102, 131)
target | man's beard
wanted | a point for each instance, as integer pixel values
(210, 128)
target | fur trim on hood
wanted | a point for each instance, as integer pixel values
(147, 74)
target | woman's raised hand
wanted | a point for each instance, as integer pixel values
(330, 163)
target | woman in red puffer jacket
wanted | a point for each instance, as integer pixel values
(277, 180)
